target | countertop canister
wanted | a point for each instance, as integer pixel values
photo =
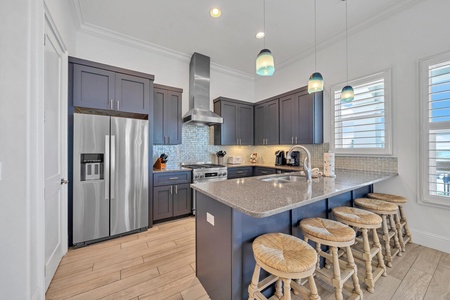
(328, 164)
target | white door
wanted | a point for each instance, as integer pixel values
(55, 149)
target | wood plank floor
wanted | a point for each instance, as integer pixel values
(160, 264)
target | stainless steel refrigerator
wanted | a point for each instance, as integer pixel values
(110, 176)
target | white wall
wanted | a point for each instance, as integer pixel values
(397, 43)
(167, 70)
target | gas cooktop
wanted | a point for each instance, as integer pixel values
(202, 166)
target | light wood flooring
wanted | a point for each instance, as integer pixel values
(160, 264)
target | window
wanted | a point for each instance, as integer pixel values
(363, 126)
(435, 135)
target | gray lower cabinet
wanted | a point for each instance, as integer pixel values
(267, 123)
(259, 171)
(301, 118)
(98, 86)
(237, 127)
(172, 195)
(239, 172)
(166, 115)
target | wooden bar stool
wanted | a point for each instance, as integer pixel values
(385, 210)
(405, 236)
(364, 220)
(334, 234)
(285, 257)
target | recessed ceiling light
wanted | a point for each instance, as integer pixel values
(215, 12)
(260, 35)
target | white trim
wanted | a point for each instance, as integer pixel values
(431, 240)
(52, 24)
(388, 104)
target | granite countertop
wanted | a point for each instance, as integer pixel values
(264, 165)
(260, 199)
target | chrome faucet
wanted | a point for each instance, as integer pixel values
(306, 166)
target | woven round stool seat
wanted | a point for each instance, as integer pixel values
(357, 216)
(388, 198)
(328, 230)
(284, 252)
(376, 205)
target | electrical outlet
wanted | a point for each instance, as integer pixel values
(210, 218)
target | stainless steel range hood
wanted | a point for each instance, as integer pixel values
(199, 102)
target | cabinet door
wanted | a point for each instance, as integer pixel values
(245, 126)
(132, 94)
(172, 118)
(92, 87)
(162, 202)
(229, 127)
(305, 119)
(239, 172)
(158, 116)
(259, 124)
(271, 121)
(182, 200)
(287, 119)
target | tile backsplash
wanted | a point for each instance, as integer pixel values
(198, 146)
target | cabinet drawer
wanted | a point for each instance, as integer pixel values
(239, 172)
(264, 171)
(168, 178)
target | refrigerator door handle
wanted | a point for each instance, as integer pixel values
(113, 166)
(106, 167)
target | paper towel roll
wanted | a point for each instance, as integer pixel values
(328, 164)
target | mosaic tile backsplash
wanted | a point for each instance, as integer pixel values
(198, 146)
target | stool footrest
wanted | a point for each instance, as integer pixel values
(263, 284)
(328, 275)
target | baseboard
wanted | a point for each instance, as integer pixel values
(431, 240)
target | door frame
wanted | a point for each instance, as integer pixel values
(64, 138)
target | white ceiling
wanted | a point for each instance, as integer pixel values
(182, 27)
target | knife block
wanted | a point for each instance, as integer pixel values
(159, 165)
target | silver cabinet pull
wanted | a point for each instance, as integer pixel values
(176, 189)
(171, 189)
(173, 178)
(106, 176)
(296, 140)
(240, 172)
(64, 181)
(110, 104)
(263, 172)
(292, 141)
(237, 141)
(118, 104)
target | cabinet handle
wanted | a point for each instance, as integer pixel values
(176, 189)
(110, 104)
(240, 172)
(173, 178)
(263, 172)
(237, 141)
(240, 141)
(171, 189)
(164, 140)
(292, 141)
(296, 140)
(118, 104)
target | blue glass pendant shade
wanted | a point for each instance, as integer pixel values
(265, 65)
(347, 94)
(315, 83)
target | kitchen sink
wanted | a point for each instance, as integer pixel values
(284, 179)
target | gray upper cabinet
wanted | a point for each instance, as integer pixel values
(166, 115)
(237, 127)
(301, 118)
(267, 123)
(110, 88)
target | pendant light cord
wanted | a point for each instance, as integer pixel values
(315, 36)
(346, 35)
(264, 25)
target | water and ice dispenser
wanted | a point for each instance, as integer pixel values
(92, 166)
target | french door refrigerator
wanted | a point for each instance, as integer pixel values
(110, 177)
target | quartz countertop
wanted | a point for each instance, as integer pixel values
(259, 199)
(265, 165)
(171, 169)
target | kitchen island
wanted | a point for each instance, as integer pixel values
(232, 213)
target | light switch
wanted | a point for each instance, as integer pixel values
(210, 218)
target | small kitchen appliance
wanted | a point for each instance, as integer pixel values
(294, 160)
(235, 160)
(280, 159)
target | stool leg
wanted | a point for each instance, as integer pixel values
(287, 289)
(337, 281)
(314, 295)
(386, 242)
(396, 240)
(351, 263)
(368, 262)
(253, 287)
(403, 219)
(376, 242)
(278, 289)
(399, 231)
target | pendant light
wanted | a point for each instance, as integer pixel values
(347, 93)
(315, 82)
(265, 65)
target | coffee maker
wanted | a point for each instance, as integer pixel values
(280, 159)
(294, 160)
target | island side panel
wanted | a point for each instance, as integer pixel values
(213, 247)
